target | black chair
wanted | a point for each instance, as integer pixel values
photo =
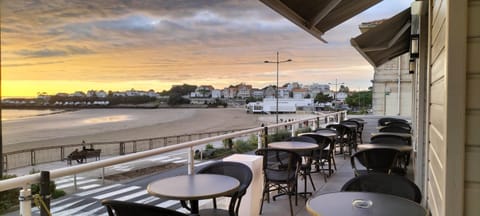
(361, 124)
(399, 124)
(375, 160)
(358, 129)
(326, 155)
(387, 120)
(343, 137)
(121, 208)
(395, 129)
(233, 169)
(281, 168)
(389, 139)
(401, 167)
(384, 183)
(305, 168)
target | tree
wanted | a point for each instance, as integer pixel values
(360, 99)
(322, 98)
(176, 99)
(343, 88)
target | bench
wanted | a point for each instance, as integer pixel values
(81, 156)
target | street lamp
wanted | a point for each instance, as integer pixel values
(336, 87)
(276, 92)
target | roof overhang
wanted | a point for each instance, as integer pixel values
(385, 41)
(319, 16)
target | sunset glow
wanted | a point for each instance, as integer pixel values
(64, 46)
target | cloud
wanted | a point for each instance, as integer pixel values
(172, 40)
(32, 64)
(67, 51)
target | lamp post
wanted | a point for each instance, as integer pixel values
(276, 92)
(336, 86)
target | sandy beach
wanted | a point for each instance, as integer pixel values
(98, 125)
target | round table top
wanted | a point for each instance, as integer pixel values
(329, 134)
(363, 203)
(293, 145)
(193, 187)
(326, 134)
(403, 135)
(402, 148)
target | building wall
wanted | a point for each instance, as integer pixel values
(453, 182)
(386, 80)
(472, 148)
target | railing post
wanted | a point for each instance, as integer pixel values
(45, 192)
(318, 123)
(122, 148)
(103, 175)
(190, 161)
(165, 139)
(134, 146)
(62, 153)
(293, 130)
(5, 161)
(75, 182)
(25, 198)
(265, 137)
(150, 144)
(259, 140)
(32, 157)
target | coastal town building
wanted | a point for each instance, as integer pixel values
(216, 93)
(257, 93)
(392, 92)
(202, 91)
(316, 88)
(243, 90)
(299, 93)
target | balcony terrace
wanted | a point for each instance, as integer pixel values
(87, 201)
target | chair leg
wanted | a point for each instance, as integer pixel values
(263, 197)
(311, 181)
(290, 198)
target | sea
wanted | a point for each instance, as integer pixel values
(14, 114)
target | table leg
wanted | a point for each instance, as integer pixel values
(194, 207)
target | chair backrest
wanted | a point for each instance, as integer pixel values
(384, 183)
(233, 169)
(376, 159)
(322, 142)
(389, 139)
(395, 129)
(358, 120)
(122, 208)
(341, 130)
(351, 122)
(387, 120)
(280, 165)
(399, 124)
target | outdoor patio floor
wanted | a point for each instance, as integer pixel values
(334, 183)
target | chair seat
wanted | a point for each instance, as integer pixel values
(214, 212)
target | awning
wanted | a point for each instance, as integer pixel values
(385, 41)
(319, 16)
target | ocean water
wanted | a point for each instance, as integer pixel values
(14, 114)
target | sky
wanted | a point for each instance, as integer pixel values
(56, 46)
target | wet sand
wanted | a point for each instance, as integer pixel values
(100, 125)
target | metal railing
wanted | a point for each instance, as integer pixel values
(35, 156)
(24, 182)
